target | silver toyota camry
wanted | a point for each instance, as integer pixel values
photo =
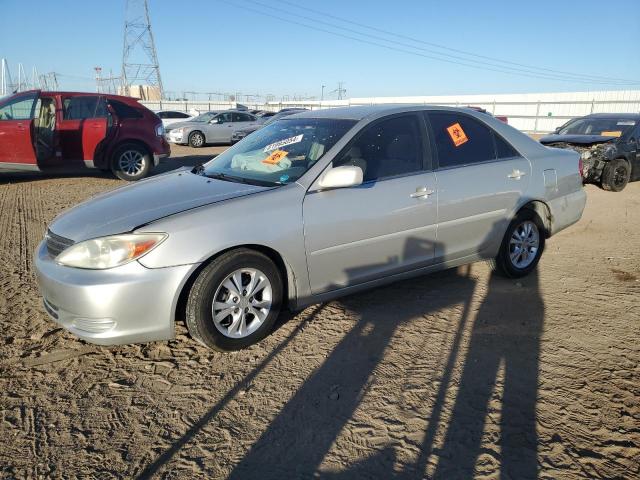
(314, 206)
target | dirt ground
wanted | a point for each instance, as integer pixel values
(453, 375)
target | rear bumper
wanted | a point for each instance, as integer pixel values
(159, 156)
(567, 210)
(127, 304)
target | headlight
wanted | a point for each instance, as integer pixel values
(160, 130)
(109, 252)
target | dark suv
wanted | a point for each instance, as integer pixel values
(608, 146)
(66, 131)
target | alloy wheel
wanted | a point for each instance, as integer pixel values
(131, 162)
(524, 244)
(242, 303)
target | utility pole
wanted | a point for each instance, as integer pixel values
(98, 79)
(341, 90)
(139, 65)
(322, 94)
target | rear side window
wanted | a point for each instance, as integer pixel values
(461, 139)
(387, 149)
(87, 106)
(503, 149)
(124, 111)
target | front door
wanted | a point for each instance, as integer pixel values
(386, 225)
(16, 131)
(221, 128)
(481, 178)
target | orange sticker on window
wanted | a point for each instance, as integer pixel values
(458, 137)
(614, 133)
(275, 157)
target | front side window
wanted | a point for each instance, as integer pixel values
(224, 117)
(20, 108)
(87, 106)
(461, 139)
(279, 153)
(242, 117)
(386, 149)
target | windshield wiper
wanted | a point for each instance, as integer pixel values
(231, 178)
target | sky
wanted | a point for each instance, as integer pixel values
(228, 46)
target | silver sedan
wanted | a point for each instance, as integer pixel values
(210, 127)
(314, 206)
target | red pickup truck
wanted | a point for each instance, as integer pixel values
(67, 131)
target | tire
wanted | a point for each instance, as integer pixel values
(616, 175)
(209, 294)
(131, 162)
(526, 227)
(196, 139)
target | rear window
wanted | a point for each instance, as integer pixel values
(123, 110)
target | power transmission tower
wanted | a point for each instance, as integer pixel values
(139, 57)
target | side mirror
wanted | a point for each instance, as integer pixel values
(341, 177)
(556, 130)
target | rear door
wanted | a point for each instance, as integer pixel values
(16, 130)
(83, 126)
(385, 226)
(480, 178)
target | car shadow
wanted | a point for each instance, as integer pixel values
(504, 337)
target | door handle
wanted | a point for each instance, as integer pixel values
(421, 192)
(516, 174)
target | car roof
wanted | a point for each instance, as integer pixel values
(629, 116)
(367, 111)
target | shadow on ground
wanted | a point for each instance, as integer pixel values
(505, 336)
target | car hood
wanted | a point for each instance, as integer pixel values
(577, 139)
(175, 125)
(124, 209)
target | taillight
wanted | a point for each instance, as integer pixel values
(581, 166)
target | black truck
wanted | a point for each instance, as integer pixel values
(608, 146)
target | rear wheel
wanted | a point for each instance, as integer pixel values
(131, 162)
(235, 300)
(616, 175)
(522, 245)
(196, 139)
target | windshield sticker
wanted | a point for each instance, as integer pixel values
(458, 137)
(629, 123)
(275, 157)
(615, 133)
(282, 143)
(284, 178)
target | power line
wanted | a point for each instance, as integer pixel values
(444, 47)
(482, 66)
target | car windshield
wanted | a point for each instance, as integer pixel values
(205, 117)
(279, 153)
(606, 127)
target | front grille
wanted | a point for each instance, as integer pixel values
(56, 244)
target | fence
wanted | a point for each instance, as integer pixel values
(524, 111)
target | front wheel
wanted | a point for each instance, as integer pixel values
(616, 175)
(131, 162)
(234, 301)
(196, 139)
(522, 245)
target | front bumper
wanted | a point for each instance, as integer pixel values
(175, 136)
(159, 156)
(127, 304)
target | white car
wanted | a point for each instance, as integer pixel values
(173, 116)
